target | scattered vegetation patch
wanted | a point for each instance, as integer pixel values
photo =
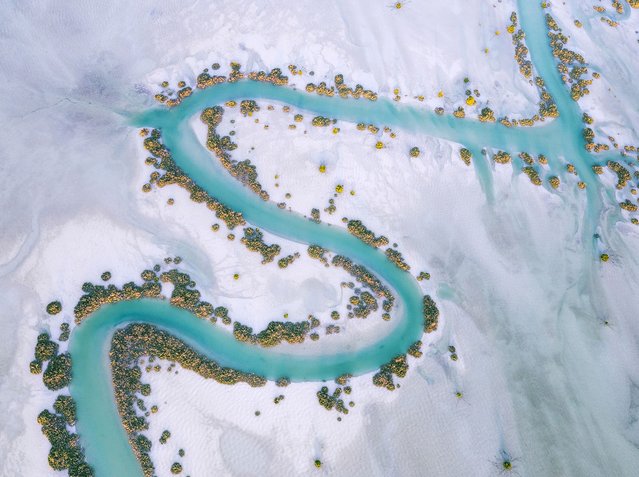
(365, 277)
(244, 171)
(137, 340)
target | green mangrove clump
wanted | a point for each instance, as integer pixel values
(274, 333)
(248, 107)
(57, 375)
(54, 308)
(532, 174)
(253, 240)
(332, 400)
(66, 452)
(397, 366)
(465, 155)
(397, 258)
(45, 349)
(317, 252)
(363, 305)
(359, 230)
(623, 176)
(501, 157)
(65, 406)
(321, 121)
(286, 261)
(430, 314)
(415, 350)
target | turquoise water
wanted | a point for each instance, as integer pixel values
(99, 426)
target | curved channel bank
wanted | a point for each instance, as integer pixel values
(102, 435)
(99, 426)
(101, 432)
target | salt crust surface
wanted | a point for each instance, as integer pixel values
(542, 378)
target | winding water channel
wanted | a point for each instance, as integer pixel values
(102, 435)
